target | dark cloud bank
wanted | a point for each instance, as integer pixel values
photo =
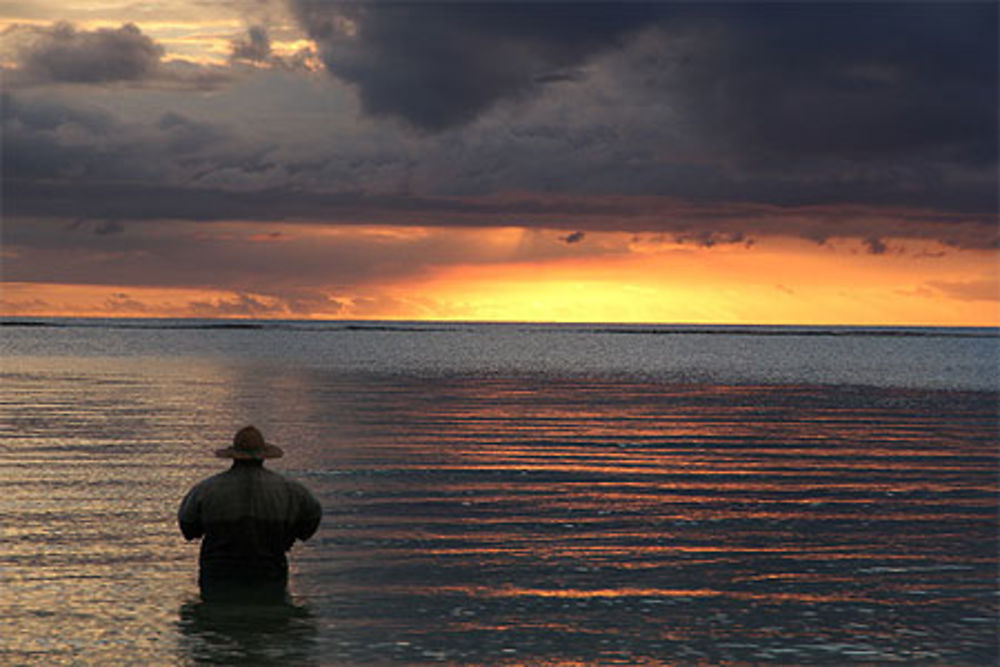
(778, 106)
(437, 65)
(853, 79)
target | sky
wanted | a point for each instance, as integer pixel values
(746, 163)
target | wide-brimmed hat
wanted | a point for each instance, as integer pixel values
(248, 443)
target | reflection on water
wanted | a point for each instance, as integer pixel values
(233, 633)
(487, 519)
(613, 522)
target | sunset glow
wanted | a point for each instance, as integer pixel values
(787, 284)
(607, 277)
(565, 163)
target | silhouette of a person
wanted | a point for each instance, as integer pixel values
(248, 518)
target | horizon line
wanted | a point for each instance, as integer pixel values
(26, 319)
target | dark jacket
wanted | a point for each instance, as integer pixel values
(249, 517)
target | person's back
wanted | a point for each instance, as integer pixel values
(248, 518)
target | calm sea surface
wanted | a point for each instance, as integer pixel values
(510, 494)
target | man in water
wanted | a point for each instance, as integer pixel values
(248, 518)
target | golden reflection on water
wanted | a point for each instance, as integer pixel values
(780, 503)
(656, 593)
(484, 520)
(94, 454)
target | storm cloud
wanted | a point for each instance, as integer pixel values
(792, 104)
(57, 147)
(857, 82)
(437, 65)
(761, 81)
(704, 121)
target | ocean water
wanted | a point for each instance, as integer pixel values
(510, 494)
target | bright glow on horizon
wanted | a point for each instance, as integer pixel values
(783, 282)
(539, 276)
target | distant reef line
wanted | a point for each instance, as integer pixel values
(533, 328)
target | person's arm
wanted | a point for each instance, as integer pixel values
(310, 514)
(189, 516)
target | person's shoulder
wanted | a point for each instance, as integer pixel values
(297, 487)
(279, 479)
(208, 482)
(217, 477)
(286, 480)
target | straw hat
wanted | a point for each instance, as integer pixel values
(248, 443)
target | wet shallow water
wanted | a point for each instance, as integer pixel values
(503, 517)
